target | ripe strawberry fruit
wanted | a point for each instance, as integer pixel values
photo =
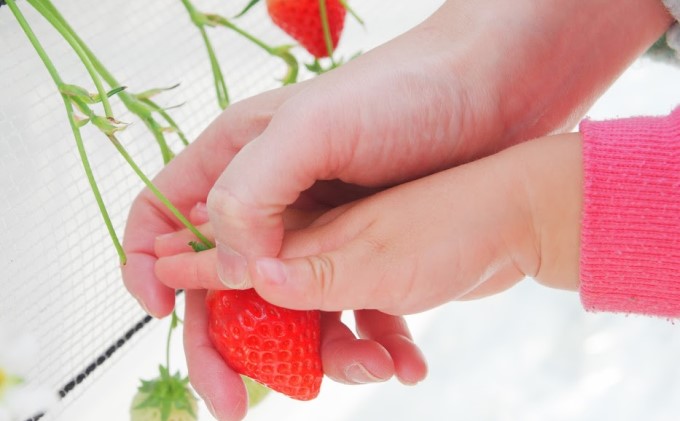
(301, 19)
(275, 346)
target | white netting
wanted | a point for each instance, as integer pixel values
(59, 271)
(529, 354)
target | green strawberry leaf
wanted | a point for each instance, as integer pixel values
(167, 393)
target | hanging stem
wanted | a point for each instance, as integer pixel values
(76, 45)
(130, 101)
(198, 20)
(160, 196)
(323, 11)
(201, 20)
(352, 12)
(218, 78)
(49, 65)
(174, 321)
(282, 52)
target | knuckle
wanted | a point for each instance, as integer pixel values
(323, 271)
(228, 208)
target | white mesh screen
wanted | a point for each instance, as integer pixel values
(59, 271)
(529, 354)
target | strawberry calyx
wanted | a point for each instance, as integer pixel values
(167, 393)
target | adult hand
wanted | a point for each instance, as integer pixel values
(384, 347)
(442, 94)
(445, 92)
(458, 87)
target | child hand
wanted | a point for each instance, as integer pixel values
(463, 233)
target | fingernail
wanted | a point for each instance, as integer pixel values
(357, 373)
(231, 267)
(271, 270)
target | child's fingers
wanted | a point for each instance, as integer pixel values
(220, 387)
(393, 333)
(349, 360)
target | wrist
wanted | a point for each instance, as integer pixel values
(544, 67)
(553, 188)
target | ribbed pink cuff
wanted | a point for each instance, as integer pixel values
(630, 238)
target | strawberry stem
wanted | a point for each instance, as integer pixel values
(221, 89)
(54, 74)
(325, 26)
(352, 12)
(168, 119)
(174, 321)
(131, 102)
(42, 8)
(160, 196)
(282, 52)
(199, 20)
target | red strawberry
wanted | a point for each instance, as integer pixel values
(275, 346)
(301, 19)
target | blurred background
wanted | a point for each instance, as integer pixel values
(528, 354)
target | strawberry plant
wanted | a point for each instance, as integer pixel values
(79, 103)
(202, 20)
(167, 397)
(316, 24)
(266, 344)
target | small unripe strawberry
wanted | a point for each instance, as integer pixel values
(165, 398)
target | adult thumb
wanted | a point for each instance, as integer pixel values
(247, 202)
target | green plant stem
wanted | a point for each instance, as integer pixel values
(221, 20)
(323, 11)
(131, 103)
(167, 341)
(168, 119)
(282, 52)
(352, 12)
(160, 196)
(199, 20)
(46, 10)
(49, 65)
(218, 77)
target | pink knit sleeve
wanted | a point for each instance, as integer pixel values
(630, 238)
